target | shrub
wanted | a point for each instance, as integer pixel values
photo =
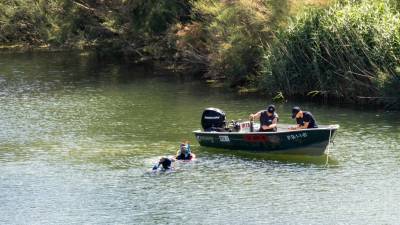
(23, 22)
(236, 34)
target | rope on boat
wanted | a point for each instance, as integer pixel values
(328, 150)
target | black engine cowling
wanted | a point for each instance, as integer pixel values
(213, 119)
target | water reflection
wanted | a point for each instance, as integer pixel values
(323, 160)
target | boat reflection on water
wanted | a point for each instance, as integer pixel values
(320, 160)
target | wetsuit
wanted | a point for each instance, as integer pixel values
(182, 157)
(307, 117)
(267, 120)
(166, 164)
(184, 152)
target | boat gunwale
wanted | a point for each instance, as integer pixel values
(329, 127)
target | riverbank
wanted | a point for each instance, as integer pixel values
(324, 51)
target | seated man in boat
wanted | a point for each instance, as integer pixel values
(304, 119)
(268, 119)
(165, 162)
(184, 152)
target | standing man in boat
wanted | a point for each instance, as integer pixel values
(268, 119)
(304, 119)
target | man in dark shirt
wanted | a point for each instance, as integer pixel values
(304, 119)
(268, 119)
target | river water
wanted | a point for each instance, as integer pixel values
(78, 137)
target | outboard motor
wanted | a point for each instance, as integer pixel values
(213, 119)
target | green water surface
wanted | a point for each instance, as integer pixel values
(78, 137)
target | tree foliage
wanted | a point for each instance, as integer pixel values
(342, 49)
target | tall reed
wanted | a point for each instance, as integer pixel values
(348, 51)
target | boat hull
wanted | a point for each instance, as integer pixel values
(307, 141)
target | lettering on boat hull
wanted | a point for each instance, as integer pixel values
(224, 138)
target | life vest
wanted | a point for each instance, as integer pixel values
(267, 120)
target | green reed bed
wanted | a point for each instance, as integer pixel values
(349, 52)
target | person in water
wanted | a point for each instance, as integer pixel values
(184, 152)
(304, 119)
(165, 164)
(268, 119)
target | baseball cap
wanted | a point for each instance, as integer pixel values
(295, 110)
(271, 109)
